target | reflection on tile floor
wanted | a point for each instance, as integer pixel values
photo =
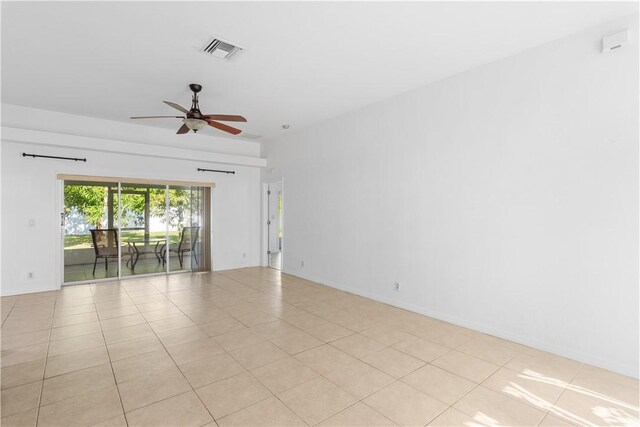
(254, 347)
(275, 260)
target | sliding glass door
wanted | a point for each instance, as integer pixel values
(186, 227)
(90, 232)
(113, 230)
(200, 219)
(143, 228)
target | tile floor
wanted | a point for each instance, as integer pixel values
(253, 347)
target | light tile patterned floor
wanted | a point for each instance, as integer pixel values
(252, 347)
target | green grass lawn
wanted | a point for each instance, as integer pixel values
(84, 241)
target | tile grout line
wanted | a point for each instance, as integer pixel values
(10, 311)
(44, 370)
(113, 374)
(241, 296)
(251, 374)
(247, 371)
(290, 355)
(169, 354)
(272, 394)
(124, 289)
(476, 384)
(450, 349)
(564, 390)
(319, 374)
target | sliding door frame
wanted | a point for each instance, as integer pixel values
(206, 238)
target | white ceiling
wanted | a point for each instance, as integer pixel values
(304, 62)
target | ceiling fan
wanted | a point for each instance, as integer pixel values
(194, 120)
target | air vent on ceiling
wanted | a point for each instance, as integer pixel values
(220, 48)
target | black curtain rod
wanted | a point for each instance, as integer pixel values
(214, 170)
(75, 159)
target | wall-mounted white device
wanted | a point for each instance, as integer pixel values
(615, 41)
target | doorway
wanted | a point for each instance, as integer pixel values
(274, 225)
(112, 230)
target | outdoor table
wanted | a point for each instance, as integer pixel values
(142, 246)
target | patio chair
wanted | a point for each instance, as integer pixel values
(105, 245)
(188, 240)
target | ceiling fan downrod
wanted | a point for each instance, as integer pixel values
(195, 108)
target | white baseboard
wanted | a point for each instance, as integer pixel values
(29, 290)
(624, 369)
(233, 266)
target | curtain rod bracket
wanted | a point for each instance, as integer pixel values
(75, 159)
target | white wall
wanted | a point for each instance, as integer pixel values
(31, 191)
(504, 199)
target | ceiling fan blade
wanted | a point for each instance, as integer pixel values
(156, 117)
(224, 127)
(176, 106)
(183, 129)
(225, 117)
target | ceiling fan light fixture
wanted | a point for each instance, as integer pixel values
(195, 124)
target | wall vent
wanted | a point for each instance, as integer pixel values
(615, 41)
(220, 48)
